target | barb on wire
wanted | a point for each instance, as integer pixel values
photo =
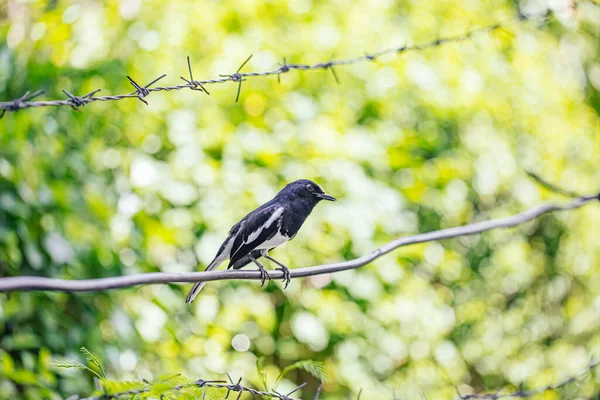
(18, 103)
(238, 77)
(531, 392)
(28, 283)
(296, 389)
(195, 85)
(318, 393)
(282, 70)
(330, 65)
(143, 91)
(79, 101)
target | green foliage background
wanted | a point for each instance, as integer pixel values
(426, 140)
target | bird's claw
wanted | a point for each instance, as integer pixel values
(264, 275)
(286, 275)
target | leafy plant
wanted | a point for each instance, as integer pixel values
(168, 386)
(262, 374)
(91, 359)
(315, 368)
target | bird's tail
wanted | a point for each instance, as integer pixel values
(199, 285)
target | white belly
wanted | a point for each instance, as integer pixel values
(275, 241)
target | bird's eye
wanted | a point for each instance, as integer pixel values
(310, 187)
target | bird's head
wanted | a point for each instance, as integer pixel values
(306, 189)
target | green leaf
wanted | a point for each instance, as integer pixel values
(315, 368)
(116, 387)
(7, 365)
(68, 364)
(168, 377)
(23, 377)
(92, 359)
(262, 374)
(72, 364)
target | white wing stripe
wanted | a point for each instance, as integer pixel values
(276, 214)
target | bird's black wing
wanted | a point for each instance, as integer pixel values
(258, 227)
(230, 236)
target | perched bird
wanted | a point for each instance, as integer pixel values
(267, 227)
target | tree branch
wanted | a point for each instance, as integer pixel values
(531, 392)
(29, 283)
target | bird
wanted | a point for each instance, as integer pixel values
(270, 225)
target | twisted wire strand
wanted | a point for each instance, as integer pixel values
(235, 387)
(27, 101)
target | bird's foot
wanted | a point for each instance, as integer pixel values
(286, 275)
(283, 268)
(264, 275)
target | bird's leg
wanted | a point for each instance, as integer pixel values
(284, 269)
(263, 273)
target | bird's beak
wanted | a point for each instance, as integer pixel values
(326, 196)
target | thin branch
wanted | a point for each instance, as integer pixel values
(238, 77)
(531, 392)
(28, 283)
(551, 186)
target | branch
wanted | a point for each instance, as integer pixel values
(550, 186)
(29, 283)
(238, 77)
(531, 392)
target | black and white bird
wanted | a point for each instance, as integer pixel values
(267, 227)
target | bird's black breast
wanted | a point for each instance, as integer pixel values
(294, 215)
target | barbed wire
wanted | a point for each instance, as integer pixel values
(237, 387)
(531, 392)
(141, 92)
(28, 283)
(232, 387)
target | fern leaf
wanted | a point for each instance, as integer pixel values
(116, 387)
(170, 377)
(67, 364)
(92, 359)
(72, 364)
(315, 368)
